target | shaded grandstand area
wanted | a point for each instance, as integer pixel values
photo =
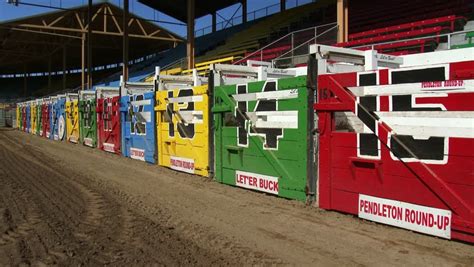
(393, 27)
(54, 41)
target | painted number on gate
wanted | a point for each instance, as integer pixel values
(136, 115)
(417, 218)
(186, 116)
(264, 119)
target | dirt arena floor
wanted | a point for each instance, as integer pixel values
(66, 204)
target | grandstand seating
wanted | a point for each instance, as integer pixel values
(447, 21)
(396, 21)
(367, 15)
(276, 25)
(395, 36)
(396, 27)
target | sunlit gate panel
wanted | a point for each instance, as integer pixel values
(138, 126)
(39, 117)
(261, 136)
(88, 118)
(410, 165)
(33, 117)
(108, 119)
(19, 115)
(58, 122)
(183, 129)
(72, 118)
(52, 116)
(45, 111)
(23, 117)
(15, 123)
(28, 117)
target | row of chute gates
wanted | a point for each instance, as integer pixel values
(392, 136)
(55, 117)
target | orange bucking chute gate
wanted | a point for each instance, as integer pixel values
(108, 119)
(409, 162)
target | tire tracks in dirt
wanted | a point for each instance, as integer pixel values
(83, 223)
(124, 212)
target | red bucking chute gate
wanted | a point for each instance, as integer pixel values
(108, 119)
(410, 165)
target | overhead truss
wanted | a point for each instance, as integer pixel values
(105, 21)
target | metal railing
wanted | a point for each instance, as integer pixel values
(328, 36)
(289, 58)
(253, 15)
(289, 42)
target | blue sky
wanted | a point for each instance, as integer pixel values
(9, 12)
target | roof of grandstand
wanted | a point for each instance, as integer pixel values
(177, 8)
(34, 41)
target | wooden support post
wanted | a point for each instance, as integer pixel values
(89, 46)
(214, 22)
(282, 5)
(125, 41)
(190, 35)
(342, 20)
(64, 67)
(346, 20)
(244, 11)
(25, 81)
(50, 89)
(83, 59)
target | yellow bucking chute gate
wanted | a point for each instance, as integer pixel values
(72, 117)
(18, 115)
(33, 116)
(182, 105)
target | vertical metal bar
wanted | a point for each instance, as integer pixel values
(49, 75)
(449, 41)
(89, 45)
(64, 67)
(292, 49)
(342, 20)
(214, 19)
(244, 11)
(25, 81)
(83, 51)
(125, 42)
(190, 27)
(315, 35)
